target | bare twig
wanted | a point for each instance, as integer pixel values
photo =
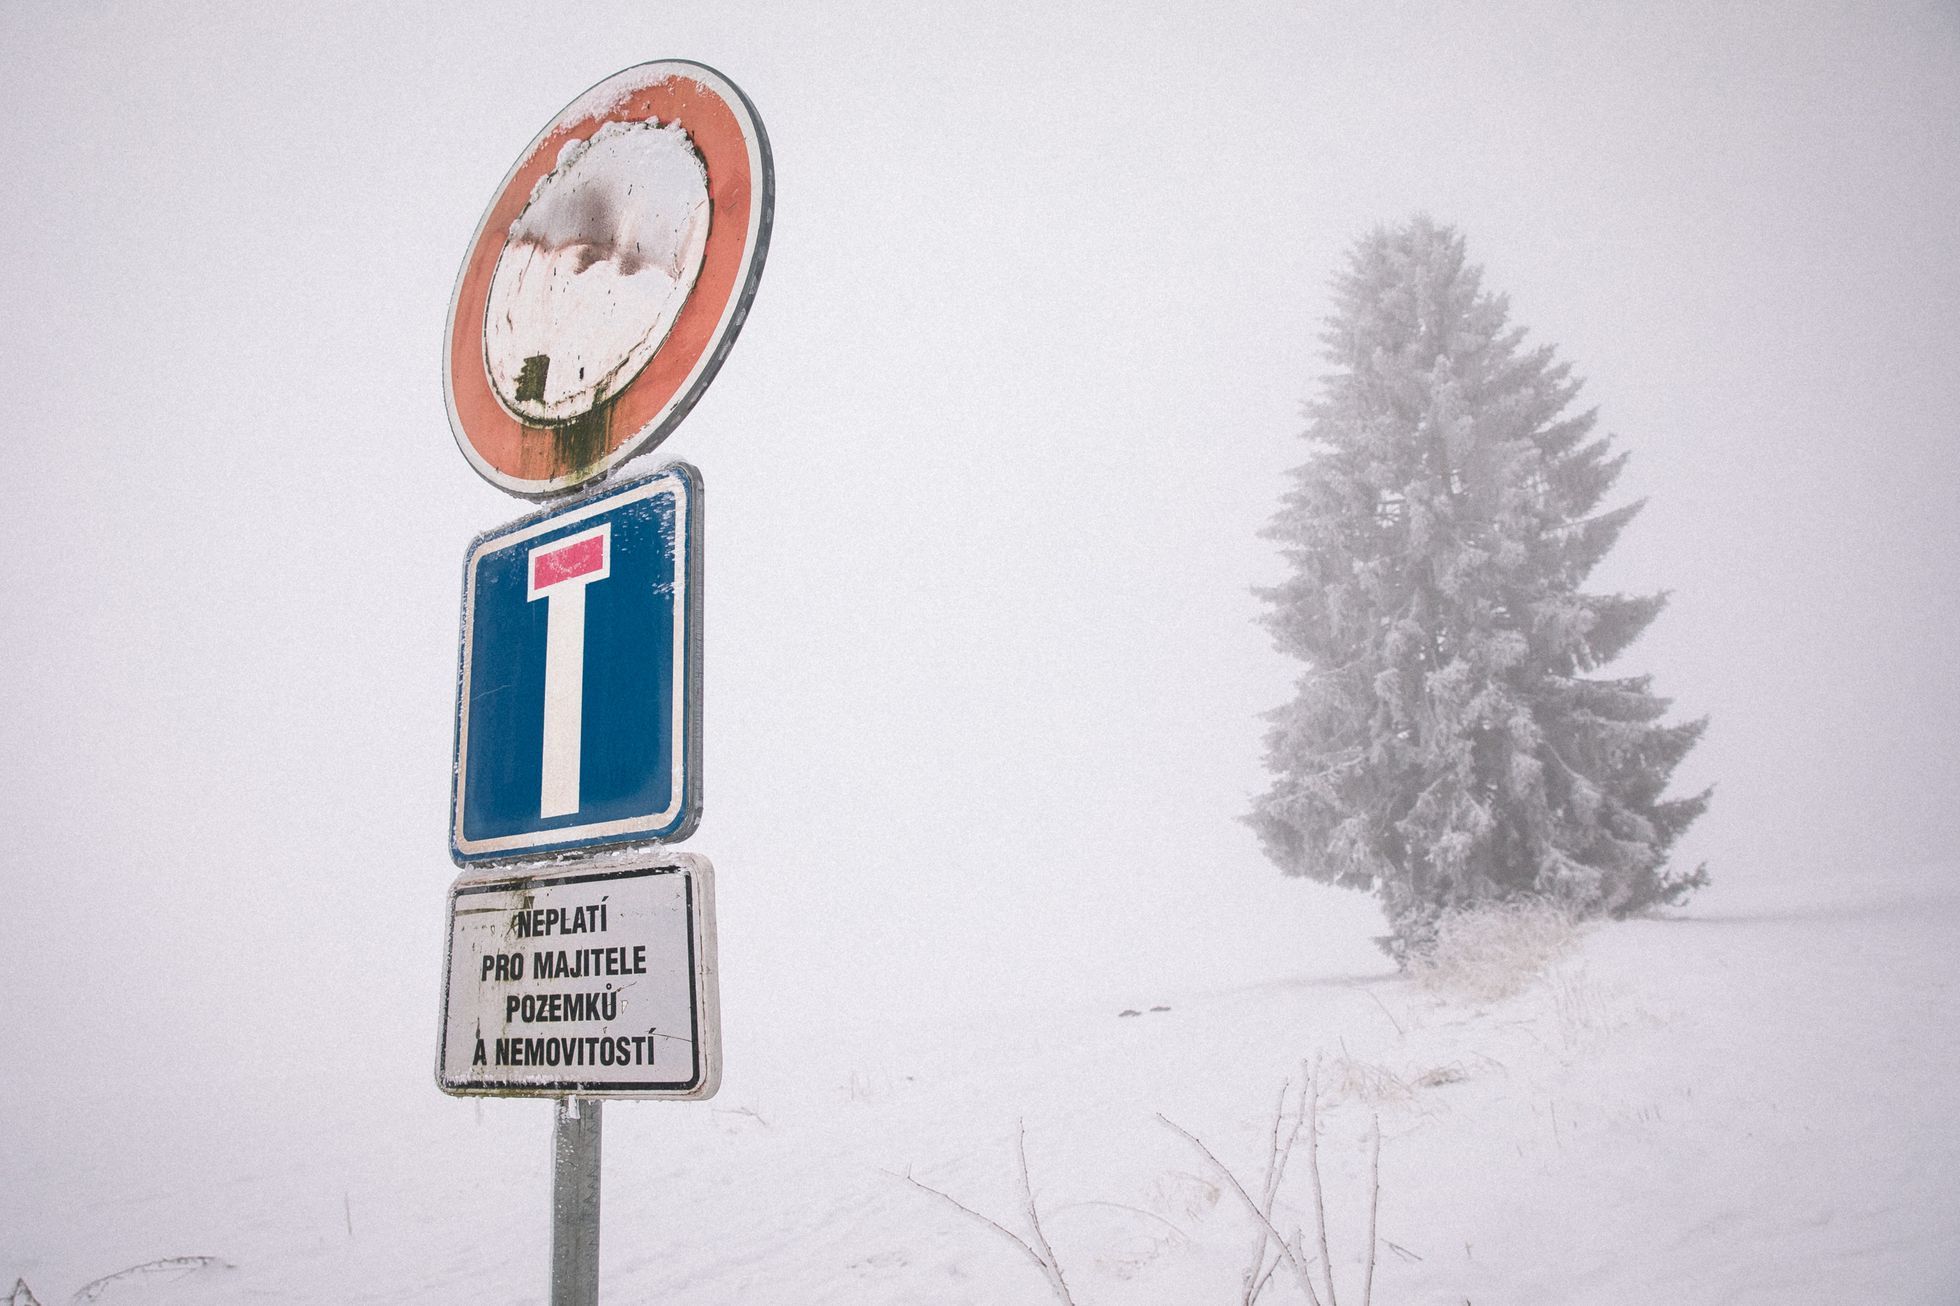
(1253, 1281)
(1313, 1169)
(1265, 1275)
(1051, 1266)
(1276, 1157)
(1176, 1232)
(1291, 1255)
(1037, 1251)
(1285, 1154)
(1273, 1163)
(987, 1220)
(90, 1291)
(1374, 1202)
(1386, 1012)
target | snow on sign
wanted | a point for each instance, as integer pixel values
(608, 278)
(596, 979)
(578, 700)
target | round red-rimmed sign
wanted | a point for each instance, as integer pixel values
(608, 277)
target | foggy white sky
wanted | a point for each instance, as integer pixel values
(984, 471)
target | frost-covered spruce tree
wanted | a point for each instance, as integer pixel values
(1455, 739)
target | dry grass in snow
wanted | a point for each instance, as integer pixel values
(1493, 951)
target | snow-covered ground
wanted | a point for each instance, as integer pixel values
(1730, 1105)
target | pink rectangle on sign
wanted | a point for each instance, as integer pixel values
(568, 563)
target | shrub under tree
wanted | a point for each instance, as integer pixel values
(1455, 739)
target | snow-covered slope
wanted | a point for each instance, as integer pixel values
(1727, 1106)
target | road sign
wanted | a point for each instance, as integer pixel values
(578, 703)
(595, 978)
(608, 277)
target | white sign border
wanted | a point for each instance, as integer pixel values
(699, 874)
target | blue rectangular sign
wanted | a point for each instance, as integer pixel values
(578, 705)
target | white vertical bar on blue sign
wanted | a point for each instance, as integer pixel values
(558, 573)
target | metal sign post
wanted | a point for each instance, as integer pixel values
(575, 1202)
(602, 290)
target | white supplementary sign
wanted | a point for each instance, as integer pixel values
(596, 979)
